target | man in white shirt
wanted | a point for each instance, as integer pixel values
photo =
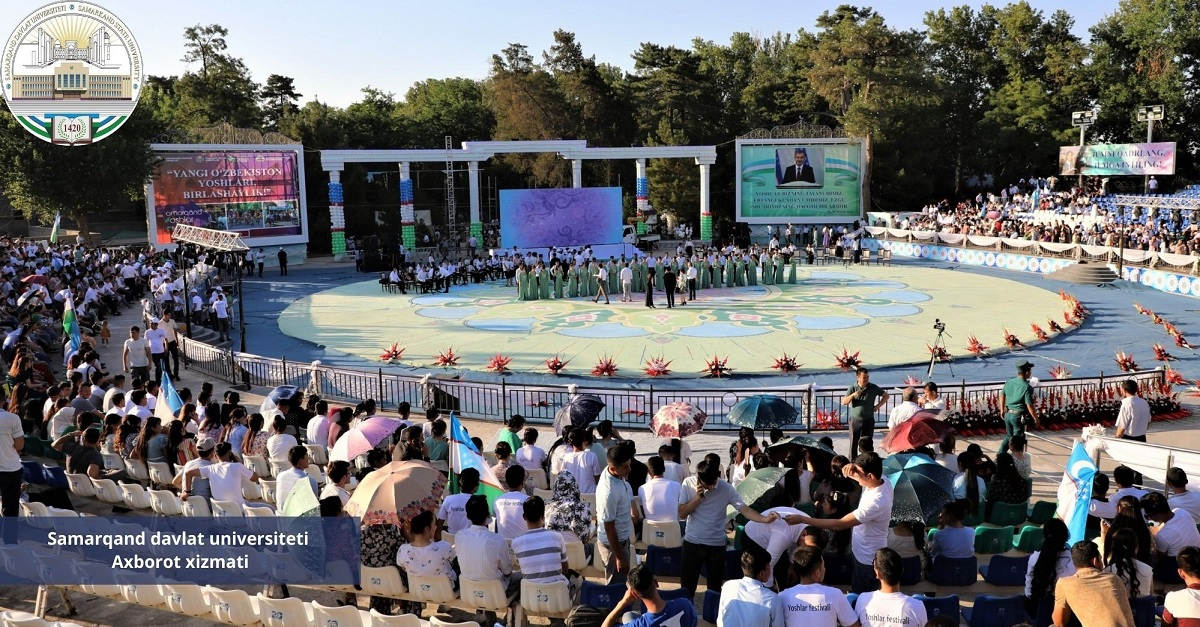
(615, 516)
(317, 431)
(905, 410)
(12, 442)
(220, 309)
(287, 480)
(157, 338)
(810, 603)
(541, 553)
(1173, 529)
(490, 557)
(626, 283)
(224, 478)
(510, 521)
(135, 357)
(137, 405)
(452, 516)
(888, 606)
(1178, 494)
(1124, 477)
(1134, 416)
(869, 523)
(170, 328)
(748, 601)
(690, 275)
(117, 387)
(660, 496)
(207, 447)
(280, 443)
(601, 283)
(582, 463)
(671, 469)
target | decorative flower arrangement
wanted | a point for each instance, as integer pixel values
(847, 361)
(393, 353)
(499, 364)
(1070, 319)
(555, 365)
(1155, 318)
(1142, 310)
(1171, 329)
(1161, 354)
(1041, 334)
(1126, 362)
(1182, 342)
(1060, 372)
(786, 363)
(1078, 310)
(976, 347)
(828, 420)
(657, 367)
(1174, 377)
(1054, 326)
(605, 367)
(911, 381)
(939, 353)
(446, 358)
(717, 367)
(1012, 340)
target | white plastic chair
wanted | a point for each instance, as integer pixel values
(434, 621)
(344, 616)
(290, 612)
(552, 600)
(112, 461)
(165, 503)
(196, 507)
(315, 472)
(317, 454)
(107, 491)
(431, 589)
(226, 509)
(232, 607)
(148, 595)
(91, 572)
(160, 474)
(663, 534)
(258, 464)
(268, 490)
(137, 470)
(21, 619)
(251, 491)
(540, 481)
(484, 595)
(278, 466)
(186, 599)
(382, 582)
(134, 495)
(403, 620)
(80, 485)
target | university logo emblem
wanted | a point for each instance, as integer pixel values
(72, 73)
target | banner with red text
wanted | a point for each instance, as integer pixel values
(1117, 159)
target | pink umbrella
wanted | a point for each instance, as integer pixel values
(361, 439)
(677, 420)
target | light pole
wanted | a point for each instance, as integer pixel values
(1149, 114)
(1082, 119)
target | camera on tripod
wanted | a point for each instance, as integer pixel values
(939, 326)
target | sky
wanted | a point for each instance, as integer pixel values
(334, 49)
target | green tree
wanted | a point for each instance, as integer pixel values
(42, 179)
(453, 106)
(279, 99)
(529, 105)
(205, 44)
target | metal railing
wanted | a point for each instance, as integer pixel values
(819, 407)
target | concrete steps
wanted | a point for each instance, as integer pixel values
(1086, 274)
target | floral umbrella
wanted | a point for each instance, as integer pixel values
(397, 492)
(361, 439)
(677, 420)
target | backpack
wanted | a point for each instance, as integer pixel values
(586, 616)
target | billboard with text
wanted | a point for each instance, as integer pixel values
(799, 180)
(257, 193)
(1117, 159)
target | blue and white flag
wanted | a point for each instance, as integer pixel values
(1075, 492)
(168, 393)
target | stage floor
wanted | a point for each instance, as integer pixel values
(887, 313)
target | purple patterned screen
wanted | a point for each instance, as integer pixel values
(539, 218)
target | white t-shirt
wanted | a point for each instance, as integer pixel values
(1188, 501)
(874, 514)
(225, 480)
(674, 472)
(531, 457)
(454, 512)
(332, 489)
(108, 397)
(317, 430)
(816, 605)
(584, 466)
(510, 521)
(890, 609)
(1177, 533)
(660, 499)
(285, 482)
(157, 339)
(137, 353)
(61, 419)
(278, 446)
(778, 537)
(10, 431)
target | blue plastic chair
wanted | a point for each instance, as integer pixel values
(733, 566)
(839, 570)
(954, 571)
(55, 476)
(1005, 571)
(33, 473)
(600, 595)
(674, 593)
(941, 606)
(852, 597)
(664, 562)
(993, 611)
(1143, 611)
(712, 603)
(912, 571)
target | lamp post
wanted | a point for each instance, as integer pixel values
(1082, 120)
(1149, 114)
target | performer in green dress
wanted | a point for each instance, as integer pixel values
(544, 286)
(614, 277)
(739, 272)
(703, 267)
(752, 273)
(658, 276)
(795, 260)
(522, 281)
(768, 270)
(557, 272)
(573, 281)
(593, 282)
(778, 269)
(535, 283)
(729, 269)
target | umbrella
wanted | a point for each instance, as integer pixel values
(303, 511)
(922, 486)
(762, 411)
(677, 420)
(916, 432)
(782, 448)
(397, 492)
(759, 487)
(579, 411)
(40, 279)
(361, 439)
(270, 404)
(301, 502)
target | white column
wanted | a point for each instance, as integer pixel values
(641, 168)
(335, 176)
(577, 173)
(704, 188)
(473, 178)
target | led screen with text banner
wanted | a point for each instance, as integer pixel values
(256, 194)
(1118, 159)
(799, 180)
(568, 217)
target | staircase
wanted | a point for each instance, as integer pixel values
(1086, 274)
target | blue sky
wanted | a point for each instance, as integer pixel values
(334, 49)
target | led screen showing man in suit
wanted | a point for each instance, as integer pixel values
(805, 167)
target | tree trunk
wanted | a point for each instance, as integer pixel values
(81, 220)
(867, 175)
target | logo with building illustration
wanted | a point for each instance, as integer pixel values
(72, 73)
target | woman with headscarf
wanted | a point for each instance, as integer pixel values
(566, 510)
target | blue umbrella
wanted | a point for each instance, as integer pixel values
(762, 411)
(921, 486)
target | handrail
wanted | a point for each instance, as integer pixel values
(819, 407)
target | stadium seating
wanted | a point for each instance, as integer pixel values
(940, 606)
(1004, 570)
(1008, 514)
(993, 539)
(954, 572)
(993, 611)
(549, 600)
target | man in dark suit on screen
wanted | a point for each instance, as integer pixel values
(801, 172)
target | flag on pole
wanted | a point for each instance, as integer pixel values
(167, 392)
(463, 455)
(54, 231)
(1075, 492)
(71, 324)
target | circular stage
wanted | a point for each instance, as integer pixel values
(886, 313)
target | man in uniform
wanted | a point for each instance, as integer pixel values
(1016, 399)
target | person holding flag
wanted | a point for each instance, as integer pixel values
(1075, 492)
(54, 230)
(169, 403)
(464, 454)
(71, 328)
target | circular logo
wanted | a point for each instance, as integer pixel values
(72, 73)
